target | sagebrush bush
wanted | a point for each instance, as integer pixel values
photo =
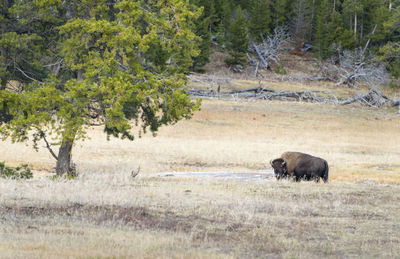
(280, 69)
(19, 172)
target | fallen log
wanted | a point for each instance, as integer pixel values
(372, 99)
(256, 90)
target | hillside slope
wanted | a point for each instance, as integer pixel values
(302, 73)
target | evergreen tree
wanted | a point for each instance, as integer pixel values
(221, 12)
(203, 30)
(334, 31)
(390, 52)
(238, 38)
(379, 16)
(352, 10)
(301, 22)
(222, 17)
(260, 19)
(320, 42)
(98, 62)
(282, 12)
(244, 4)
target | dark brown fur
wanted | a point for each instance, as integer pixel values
(299, 166)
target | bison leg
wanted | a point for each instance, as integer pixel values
(325, 177)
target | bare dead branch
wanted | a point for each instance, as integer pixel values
(43, 136)
(27, 76)
(259, 54)
(355, 67)
(268, 50)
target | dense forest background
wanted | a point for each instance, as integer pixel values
(328, 26)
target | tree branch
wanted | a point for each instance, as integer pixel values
(23, 73)
(43, 136)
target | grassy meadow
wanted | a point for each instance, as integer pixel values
(106, 213)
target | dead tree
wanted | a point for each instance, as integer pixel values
(373, 99)
(268, 50)
(355, 67)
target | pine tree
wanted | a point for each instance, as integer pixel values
(238, 38)
(334, 31)
(321, 28)
(390, 52)
(378, 17)
(352, 10)
(282, 12)
(301, 23)
(101, 62)
(203, 31)
(260, 19)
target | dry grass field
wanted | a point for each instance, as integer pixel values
(106, 213)
(357, 142)
(198, 218)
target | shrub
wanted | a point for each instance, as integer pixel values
(19, 172)
(280, 69)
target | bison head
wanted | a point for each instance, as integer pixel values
(280, 169)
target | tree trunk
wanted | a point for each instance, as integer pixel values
(264, 62)
(312, 20)
(64, 165)
(64, 159)
(362, 28)
(5, 80)
(355, 25)
(369, 38)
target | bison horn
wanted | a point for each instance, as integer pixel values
(270, 161)
(284, 163)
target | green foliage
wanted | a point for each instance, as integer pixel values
(282, 12)
(390, 52)
(280, 69)
(97, 62)
(394, 85)
(333, 33)
(260, 19)
(238, 38)
(321, 30)
(302, 19)
(203, 28)
(19, 172)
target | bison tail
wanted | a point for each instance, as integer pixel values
(325, 177)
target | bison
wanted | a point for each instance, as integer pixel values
(299, 166)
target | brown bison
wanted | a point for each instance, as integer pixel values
(299, 166)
